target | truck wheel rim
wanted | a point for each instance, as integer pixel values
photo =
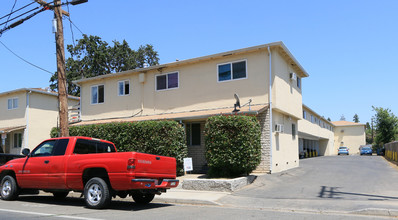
(5, 191)
(94, 194)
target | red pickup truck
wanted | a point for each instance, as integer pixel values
(91, 166)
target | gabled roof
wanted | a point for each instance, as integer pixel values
(276, 45)
(36, 90)
(346, 123)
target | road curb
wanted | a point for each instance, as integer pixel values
(377, 212)
(185, 201)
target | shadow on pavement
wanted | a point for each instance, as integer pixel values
(333, 193)
(79, 202)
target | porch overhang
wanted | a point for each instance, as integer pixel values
(11, 129)
(181, 116)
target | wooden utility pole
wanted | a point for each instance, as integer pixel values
(62, 93)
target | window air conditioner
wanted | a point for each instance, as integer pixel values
(279, 128)
(293, 76)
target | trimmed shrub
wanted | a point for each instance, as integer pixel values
(165, 138)
(233, 145)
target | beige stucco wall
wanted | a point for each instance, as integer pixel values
(349, 136)
(39, 118)
(286, 95)
(12, 117)
(42, 117)
(284, 145)
(322, 132)
(198, 89)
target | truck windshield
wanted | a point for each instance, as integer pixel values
(84, 146)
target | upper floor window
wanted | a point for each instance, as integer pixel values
(304, 114)
(299, 82)
(124, 87)
(232, 71)
(167, 81)
(13, 103)
(97, 94)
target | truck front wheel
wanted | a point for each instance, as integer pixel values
(9, 188)
(143, 198)
(96, 193)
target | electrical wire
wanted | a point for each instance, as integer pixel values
(17, 10)
(12, 9)
(70, 24)
(19, 16)
(25, 60)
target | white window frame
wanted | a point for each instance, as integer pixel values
(124, 87)
(12, 103)
(91, 94)
(236, 61)
(167, 81)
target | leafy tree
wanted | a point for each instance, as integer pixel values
(386, 126)
(329, 119)
(342, 118)
(356, 118)
(92, 57)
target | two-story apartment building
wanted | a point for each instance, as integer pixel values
(316, 134)
(267, 79)
(26, 117)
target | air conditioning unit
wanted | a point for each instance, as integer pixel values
(279, 128)
(293, 76)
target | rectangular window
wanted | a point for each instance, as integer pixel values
(232, 71)
(17, 140)
(312, 119)
(97, 94)
(294, 131)
(193, 134)
(92, 147)
(13, 103)
(304, 114)
(299, 82)
(124, 88)
(167, 81)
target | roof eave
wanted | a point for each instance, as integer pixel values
(198, 59)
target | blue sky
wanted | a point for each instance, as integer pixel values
(348, 47)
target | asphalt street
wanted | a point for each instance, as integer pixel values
(340, 187)
(349, 184)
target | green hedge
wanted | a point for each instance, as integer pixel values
(233, 145)
(165, 138)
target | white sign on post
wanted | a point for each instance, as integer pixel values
(188, 164)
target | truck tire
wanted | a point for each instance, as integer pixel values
(143, 199)
(96, 193)
(9, 188)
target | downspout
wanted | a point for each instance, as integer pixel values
(270, 106)
(27, 120)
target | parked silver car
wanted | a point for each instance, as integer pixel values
(343, 150)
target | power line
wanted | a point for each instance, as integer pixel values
(17, 10)
(19, 16)
(15, 2)
(25, 60)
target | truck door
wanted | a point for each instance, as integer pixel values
(56, 172)
(34, 173)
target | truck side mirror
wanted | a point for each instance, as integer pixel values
(26, 151)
